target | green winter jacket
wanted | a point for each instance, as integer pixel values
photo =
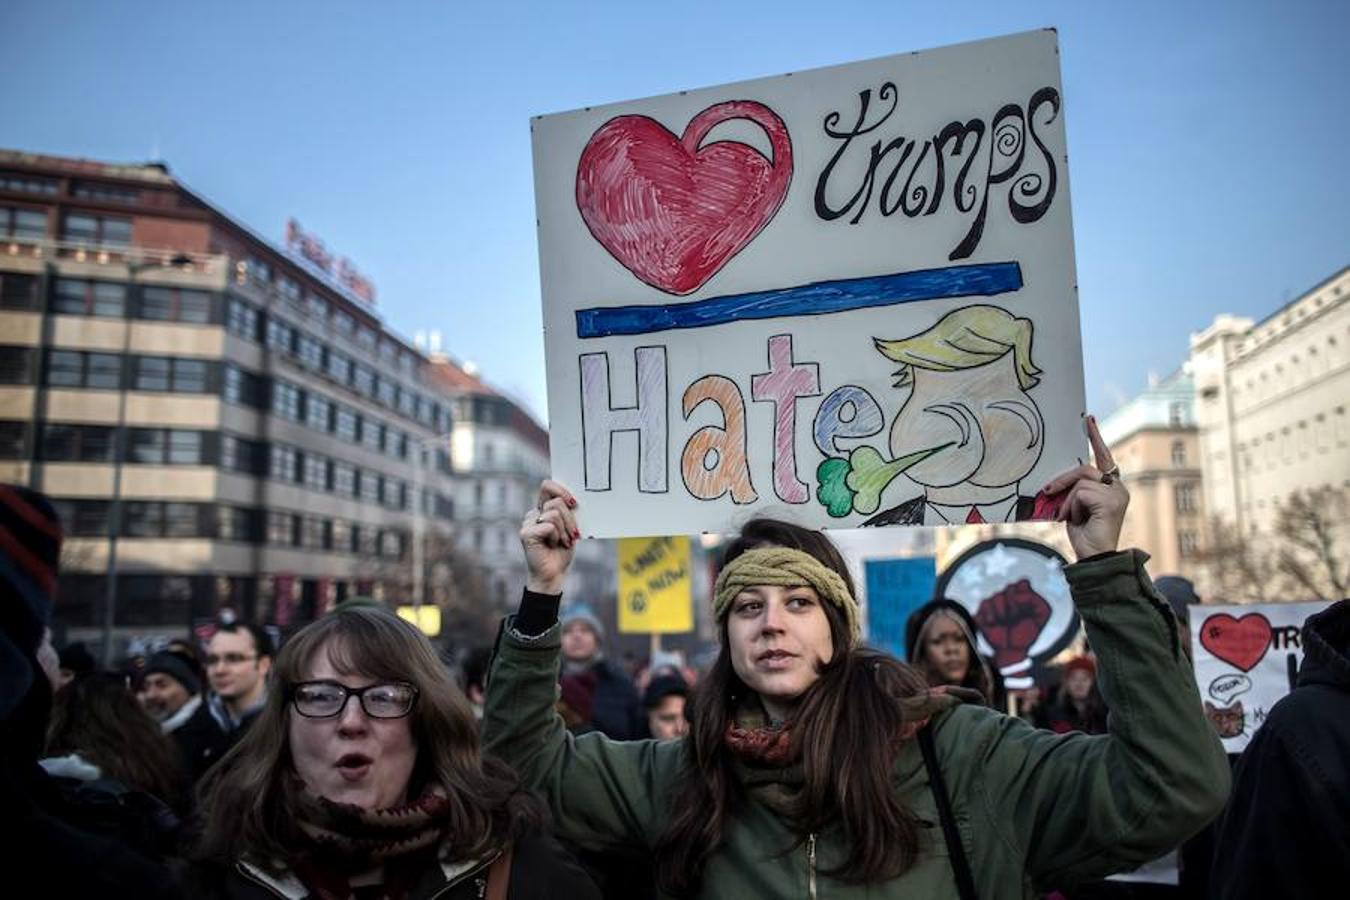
(1035, 810)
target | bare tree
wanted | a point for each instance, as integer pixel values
(1311, 526)
(1303, 557)
(1241, 570)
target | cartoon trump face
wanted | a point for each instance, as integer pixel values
(968, 377)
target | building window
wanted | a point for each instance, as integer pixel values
(242, 320)
(81, 228)
(236, 523)
(286, 400)
(169, 304)
(1188, 543)
(83, 518)
(310, 352)
(365, 338)
(280, 336)
(391, 544)
(105, 193)
(162, 373)
(242, 387)
(342, 322)
(314, 533)
(285, 464)
(289, 289)
(77, 297)
(73, 368)
(13, 440)
(340, 535)
(241, 455)
(22, 224)
(316, 472)
(318, 412)
(184, 448)
(1178, 454)
(77, 443)
(344, 479)
(16, 365)
(339, 367)
(258, 270)
(395, 442)
(385, 391)
(316, 305)
(407, 402)
(280, 528)
(19, 292)
(1176, 414)
(27, 184)
(363, 380)
(344, 423)
(1187, 498)
(370, 486)
(372, 434)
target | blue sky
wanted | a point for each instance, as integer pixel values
(1207, 142)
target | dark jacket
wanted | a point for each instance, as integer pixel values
(616, 708)
(540, 870)
(201, 741)
(1034, 809)
(981, 669)
(1287, 830)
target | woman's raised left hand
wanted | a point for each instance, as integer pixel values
(1093, 510)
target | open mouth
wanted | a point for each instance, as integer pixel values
(354, 766)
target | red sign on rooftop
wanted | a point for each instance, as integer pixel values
(338, 269)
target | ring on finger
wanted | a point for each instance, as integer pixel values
(1111, 475)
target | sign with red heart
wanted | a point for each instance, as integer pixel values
(673, 211)
(737, 279)
(1240, 642)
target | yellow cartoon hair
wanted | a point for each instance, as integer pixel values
(963, 339)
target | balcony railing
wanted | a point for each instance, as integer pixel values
(131, 256)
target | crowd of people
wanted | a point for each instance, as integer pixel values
(352, 762)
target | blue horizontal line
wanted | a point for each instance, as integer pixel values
(817, 299)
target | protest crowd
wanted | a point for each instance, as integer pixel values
(352, 761)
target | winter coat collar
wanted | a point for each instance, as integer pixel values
(179, 719)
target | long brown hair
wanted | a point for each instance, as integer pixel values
(244, 797)
(97, 717)
(838, 731)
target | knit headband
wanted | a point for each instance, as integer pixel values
(785, 567)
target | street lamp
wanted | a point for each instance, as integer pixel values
(179, 261)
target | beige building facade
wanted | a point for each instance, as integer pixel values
(1271, 405)
(1155, 441)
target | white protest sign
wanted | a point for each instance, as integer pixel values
(844, 296)
(1246, 659)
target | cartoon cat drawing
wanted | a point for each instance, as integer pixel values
(1228, 721)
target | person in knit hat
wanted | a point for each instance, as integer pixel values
(171, 691)
(613, 706)
(39, 815)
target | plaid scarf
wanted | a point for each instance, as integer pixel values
(769, 767)
(342, 840)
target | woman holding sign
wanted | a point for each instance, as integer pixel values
(814, 767)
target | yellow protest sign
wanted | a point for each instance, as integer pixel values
(427, 617)
(655, 590)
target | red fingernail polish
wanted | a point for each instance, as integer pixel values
(571, 501)
(576, 532)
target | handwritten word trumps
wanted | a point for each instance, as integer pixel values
(979, 156)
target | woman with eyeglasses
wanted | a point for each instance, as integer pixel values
(362, 777)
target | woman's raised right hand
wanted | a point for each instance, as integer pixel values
(549, 535)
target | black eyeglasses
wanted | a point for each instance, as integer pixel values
(325, 699)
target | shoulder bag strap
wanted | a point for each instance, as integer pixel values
(965, 883)
(499, 875)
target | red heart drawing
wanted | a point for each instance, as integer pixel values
(674, 213)
(1239, 642)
